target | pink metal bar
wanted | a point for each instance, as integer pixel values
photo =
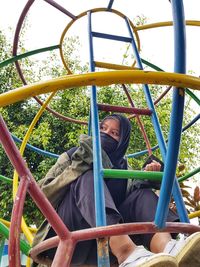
(140, 111)
(34, 190)
(15, 227)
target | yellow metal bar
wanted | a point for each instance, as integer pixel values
(194, 214)
(28, 262)
(100, 79)
(7, 223)
(166, 23)
(24, 226)
(113, 66)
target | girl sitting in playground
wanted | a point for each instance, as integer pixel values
(71, 192)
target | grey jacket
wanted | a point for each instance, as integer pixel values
(65, 171)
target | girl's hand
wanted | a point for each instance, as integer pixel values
(154, 166)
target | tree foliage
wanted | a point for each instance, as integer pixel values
(56, 135)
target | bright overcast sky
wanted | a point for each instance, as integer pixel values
(47, 24)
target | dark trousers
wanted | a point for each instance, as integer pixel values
(78, 212)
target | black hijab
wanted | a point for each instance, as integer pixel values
(119, 149)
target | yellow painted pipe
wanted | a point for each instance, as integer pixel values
(100, 79)
(113, 66)
(194, 214)
(7, 223)
(28, 262)
(24, 226)
(166, 23)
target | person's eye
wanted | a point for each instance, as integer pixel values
(115, 133)
(102, 127)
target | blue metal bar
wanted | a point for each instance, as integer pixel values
(110, 4)
(149, 100)
(161, 142)
(175, 123)
(103, 255)
(36, 149)
(99, 192)
(112, 37)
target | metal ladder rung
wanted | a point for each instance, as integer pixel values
(112, 37)
(113, 66)
(139, 111)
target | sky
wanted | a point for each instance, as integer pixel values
(46, 25)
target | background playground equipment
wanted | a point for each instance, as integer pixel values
(120, 75)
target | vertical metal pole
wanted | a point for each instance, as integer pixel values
(167, 184)
(176, 119)
(103, 254)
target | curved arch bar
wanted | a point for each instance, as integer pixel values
(111, 230)
(195, 98)
(166, 23)
(16, 37)
(24, 246)
(99, 79)
(37, 150)
(6, 179)
(27, 54)
(15, 226)
(186, 176)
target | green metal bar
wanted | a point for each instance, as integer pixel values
(151, 65)
(195, 98)
(154, 176)
(27, 54)
(24, 246)
(183, 178)
(6, 179)
(142, 175)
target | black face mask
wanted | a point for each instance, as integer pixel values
(108, 143)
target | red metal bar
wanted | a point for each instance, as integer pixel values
(140, 111)
(16, 37)
(162, 95)
(15, 226)
(62, 9)
(113, 230)
(139, 121)
(43, 246)
(132, 228)
(34, 190)
(64, 253)
(49, 212)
